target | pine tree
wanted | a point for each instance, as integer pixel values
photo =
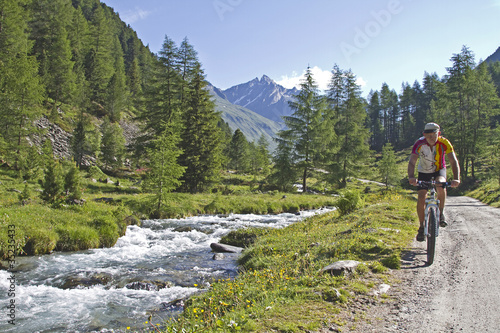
(407, 104)
(352, 134)
(72, 183)
(112, 144)
(164, 171)
(465, 106)
(377, 138)
(162, 98)
(304, 125)
(50, 19)
(387, 166)
(187, 63)
(52, 184)
(389, 105)
(20, 87)
(262, 155)
(283, 174)
(118, 93)
(79, 36)
(238, 152)
(86, 140)
(200, 138)
(100, 61)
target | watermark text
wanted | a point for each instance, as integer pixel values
(11, 260)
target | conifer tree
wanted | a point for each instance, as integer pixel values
(164, 171)
(52, 184)
(20, 87)
(304, 125)
(118, 93)
(389, 105)
(187, 63)
(201, 144)
(79, 36)
(100, 61)
(375, 122)
(387, 166)
(283, 174)
(72, 183)
(238, 152)
(262, 155)
(352, 134)
(162, 97)
(465, 106)
(50, 19)
(112, 144)
(407, 105)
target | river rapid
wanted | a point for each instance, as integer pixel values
(112, 289)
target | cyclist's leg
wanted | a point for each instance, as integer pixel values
(441, 194)
(422, 194)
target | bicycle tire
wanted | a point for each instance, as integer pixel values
(431, 237)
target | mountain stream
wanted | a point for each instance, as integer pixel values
(112, 289)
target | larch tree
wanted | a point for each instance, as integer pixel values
(20, 88)
(201, 139)
(303, 127)
(352, 154)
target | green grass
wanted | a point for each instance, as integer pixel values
(280, 287)
(488, 192)
(42, 228)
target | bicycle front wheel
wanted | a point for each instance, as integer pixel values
(431, 237)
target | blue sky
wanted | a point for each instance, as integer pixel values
(391, 41)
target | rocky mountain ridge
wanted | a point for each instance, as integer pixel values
(262, 96)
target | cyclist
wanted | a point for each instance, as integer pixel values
(431, 150)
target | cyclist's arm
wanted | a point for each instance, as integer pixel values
(455, 167)
(411, 169)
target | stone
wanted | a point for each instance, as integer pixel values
(223, 248)
(218, 256)
(345, 267)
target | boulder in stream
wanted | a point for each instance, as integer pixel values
(223, 248)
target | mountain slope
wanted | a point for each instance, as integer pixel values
(263, 96)
(250, 123)
(494, 57)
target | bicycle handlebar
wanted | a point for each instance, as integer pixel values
(433, 182)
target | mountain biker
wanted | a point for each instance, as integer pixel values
(431, 150)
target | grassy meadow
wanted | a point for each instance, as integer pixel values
(281, 287)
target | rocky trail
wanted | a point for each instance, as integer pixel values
(460, 292)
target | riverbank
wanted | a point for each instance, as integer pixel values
(282, 286)
(37, 228)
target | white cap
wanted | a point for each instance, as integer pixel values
(431, 127)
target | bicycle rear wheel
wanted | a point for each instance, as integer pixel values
(431, 237)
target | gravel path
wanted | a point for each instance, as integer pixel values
(460, 292)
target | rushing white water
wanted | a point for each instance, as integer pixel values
(89, 290)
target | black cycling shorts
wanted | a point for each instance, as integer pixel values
(428, 177)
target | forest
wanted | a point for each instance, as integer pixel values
(78, 65)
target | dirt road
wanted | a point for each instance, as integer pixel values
(460, 292)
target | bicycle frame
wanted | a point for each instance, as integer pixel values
(432, 212)
(431, 202)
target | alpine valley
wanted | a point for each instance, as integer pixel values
(255, 107)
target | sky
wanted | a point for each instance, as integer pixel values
(380, 41)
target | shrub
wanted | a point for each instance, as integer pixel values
(75, 238)
(348, 202)
(96, 173)
(40, 241)
(393, 261)
(243, 237)
(108, 230)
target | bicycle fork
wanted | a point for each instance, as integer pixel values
(431, 203)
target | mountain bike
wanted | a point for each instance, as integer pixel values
(432, 216)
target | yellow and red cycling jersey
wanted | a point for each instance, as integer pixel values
(432, 159)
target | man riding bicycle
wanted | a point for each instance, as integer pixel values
(431, 150)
